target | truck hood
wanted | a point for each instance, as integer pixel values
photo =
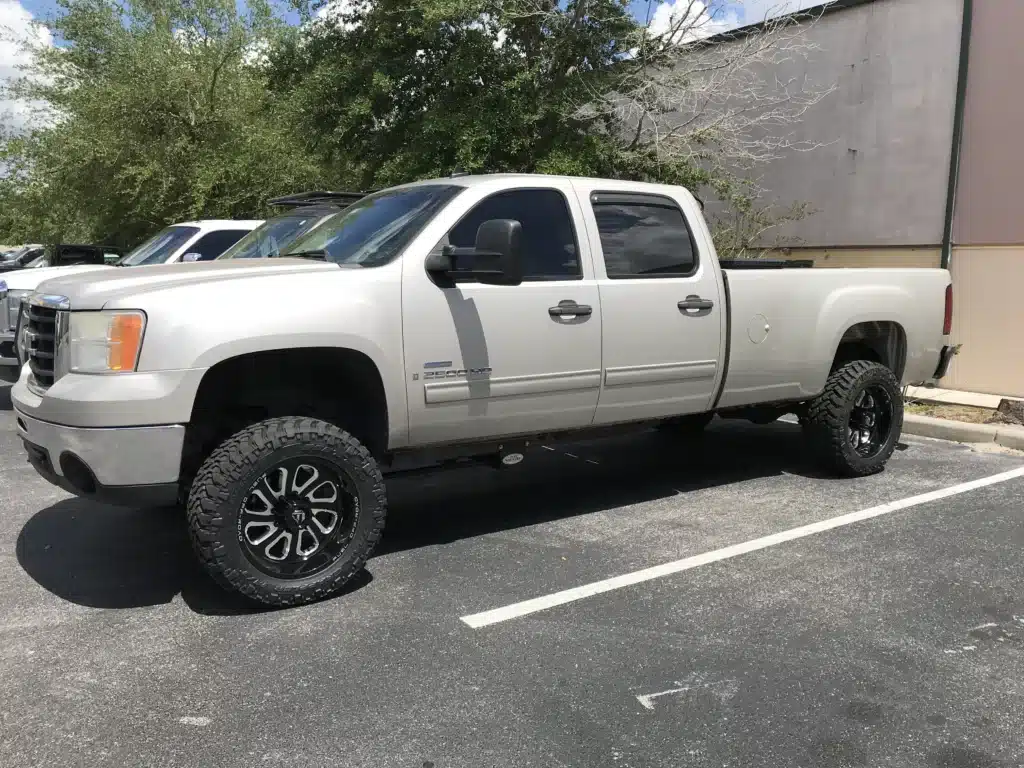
(28, 279)
(95, 289)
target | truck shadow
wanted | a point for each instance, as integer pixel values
(586, 477)
(108, 557)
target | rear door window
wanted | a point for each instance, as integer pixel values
(643, 236)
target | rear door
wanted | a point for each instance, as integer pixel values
(663, 314)
(490, 360)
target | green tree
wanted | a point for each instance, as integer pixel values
(392, 90)
(160, 113)
(386, 91)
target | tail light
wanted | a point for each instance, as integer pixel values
(947, 321)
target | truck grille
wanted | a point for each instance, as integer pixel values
(42, 343)
(11, 308)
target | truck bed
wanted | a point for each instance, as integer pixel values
(781, 325)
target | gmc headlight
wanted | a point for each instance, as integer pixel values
(108, 341)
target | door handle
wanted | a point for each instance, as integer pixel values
(693, 301)
(569, 308)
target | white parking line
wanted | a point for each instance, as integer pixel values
(526, 607)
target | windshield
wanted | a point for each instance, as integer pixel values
(159, 247)
(272, 235)
(374, 230)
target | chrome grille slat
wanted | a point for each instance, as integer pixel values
(42, 344)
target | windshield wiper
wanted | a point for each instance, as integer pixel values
(321, 255)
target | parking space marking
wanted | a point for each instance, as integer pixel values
(534, 605)
(723, 690)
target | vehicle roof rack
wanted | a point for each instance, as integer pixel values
(319, 197)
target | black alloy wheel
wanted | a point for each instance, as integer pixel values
(298, 517)
(870, 421)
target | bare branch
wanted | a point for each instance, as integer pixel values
(727, 107)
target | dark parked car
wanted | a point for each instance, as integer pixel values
(62, 255)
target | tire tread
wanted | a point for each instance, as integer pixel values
(826, 422)
(219, 476)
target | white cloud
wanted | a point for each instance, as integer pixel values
(759, 10)
(489, 27)
(687, 20)
(339, 12)
(16, 29)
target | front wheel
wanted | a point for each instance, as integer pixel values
(854, 424)
(287, 511)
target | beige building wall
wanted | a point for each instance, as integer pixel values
(988, 233)
(988, 318)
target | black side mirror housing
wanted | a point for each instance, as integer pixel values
(495, 258)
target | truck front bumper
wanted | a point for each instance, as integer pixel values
(129, 466)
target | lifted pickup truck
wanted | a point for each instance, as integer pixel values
(438, 322)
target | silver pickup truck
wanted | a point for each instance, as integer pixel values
(462, 319)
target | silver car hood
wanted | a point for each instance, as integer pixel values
(92, 290)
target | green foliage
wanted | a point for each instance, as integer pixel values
(393, 91)
(159, 118)
(168, 110)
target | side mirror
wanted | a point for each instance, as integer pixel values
(192, 256)
(495, 259)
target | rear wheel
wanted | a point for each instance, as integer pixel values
(287, 511)
(854, 424)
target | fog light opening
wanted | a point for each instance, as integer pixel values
(77, 473)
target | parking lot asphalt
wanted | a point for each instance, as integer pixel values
(895, 641)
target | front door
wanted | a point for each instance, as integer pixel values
(487, 360)
(662, 309)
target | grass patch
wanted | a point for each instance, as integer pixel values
(966, 413)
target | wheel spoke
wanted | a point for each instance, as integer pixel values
(259, 531)
(257, 504)
(329, 491)
(276, 481)
(306, 541)
(280, 547)
(305, 475)
(325, 519)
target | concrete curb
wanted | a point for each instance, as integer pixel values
(961, 432)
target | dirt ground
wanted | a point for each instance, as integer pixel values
(967, 413)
